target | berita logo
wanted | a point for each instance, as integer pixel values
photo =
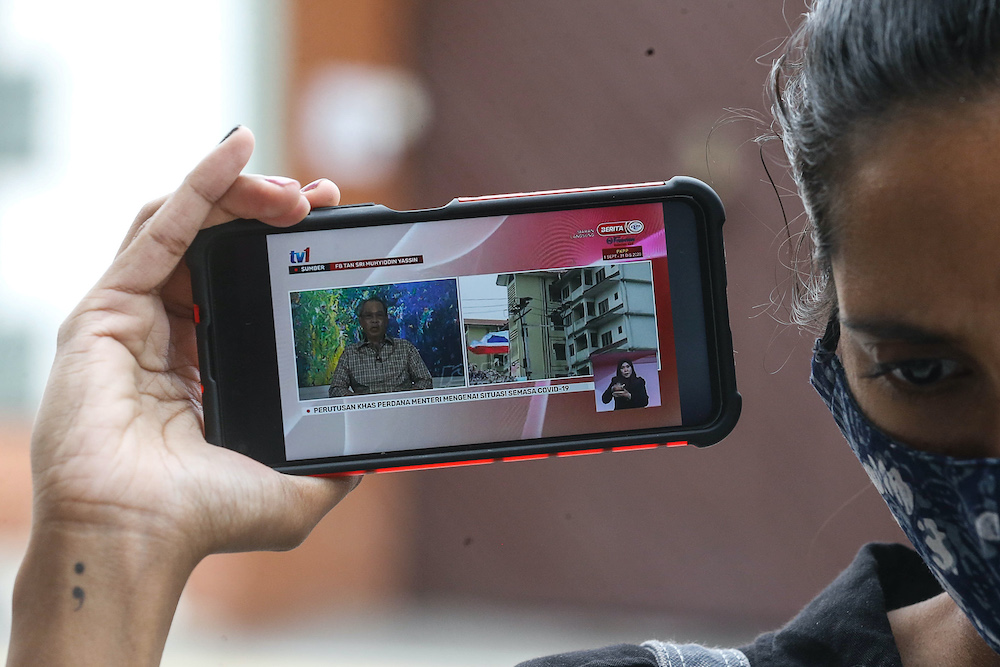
(299, 257)
(618, 228)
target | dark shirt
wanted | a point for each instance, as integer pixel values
(634, 385)
(845, 626)
(395, 366)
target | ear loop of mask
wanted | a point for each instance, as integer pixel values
(831, 336)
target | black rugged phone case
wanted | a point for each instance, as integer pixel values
(704, 200)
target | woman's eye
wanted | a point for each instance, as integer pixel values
(920, 372)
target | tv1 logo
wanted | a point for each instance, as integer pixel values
(299, 257)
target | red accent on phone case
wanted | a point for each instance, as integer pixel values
(428, 466)
(197, 314)
(526, 457)
(505, 459)
(635, 448)
(582, 452)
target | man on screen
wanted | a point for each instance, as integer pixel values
(379, 363)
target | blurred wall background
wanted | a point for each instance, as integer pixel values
(106, 104)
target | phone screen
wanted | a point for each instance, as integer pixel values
(523, 323)
(428, 336)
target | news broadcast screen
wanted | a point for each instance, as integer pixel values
(475, 330)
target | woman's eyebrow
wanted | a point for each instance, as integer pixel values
(891, 330)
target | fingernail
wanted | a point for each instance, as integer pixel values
(230, 133)
(313, 185)
(280, 180)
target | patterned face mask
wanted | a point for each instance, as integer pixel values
(947, 507)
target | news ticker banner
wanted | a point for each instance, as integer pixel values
(356, 264)
(398, 401)
(617, 254)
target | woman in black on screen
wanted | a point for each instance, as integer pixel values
(627, 388)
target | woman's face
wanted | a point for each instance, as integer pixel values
(917, 273)
(625, 370)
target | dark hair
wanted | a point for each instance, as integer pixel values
(361, 306)
(855, 64)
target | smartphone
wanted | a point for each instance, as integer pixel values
(497, 328)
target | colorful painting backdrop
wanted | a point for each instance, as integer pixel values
(425, 313)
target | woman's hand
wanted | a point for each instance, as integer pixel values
(128, 495)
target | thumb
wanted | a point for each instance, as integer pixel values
(161, 241)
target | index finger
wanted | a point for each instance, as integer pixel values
(253, 197)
